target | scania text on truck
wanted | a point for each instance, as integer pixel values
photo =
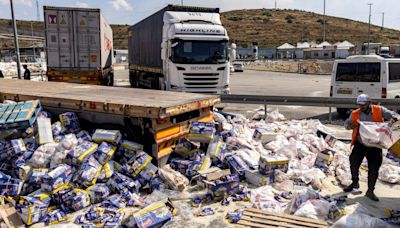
(370, 74)
(79, 46)
(180, 48)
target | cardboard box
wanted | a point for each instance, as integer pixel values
(185, 148)
(123, 184)
(201, 132)
(45, 135)
(10, 216)
(264, 135)
(255, 178)
(88, 172)
(215, 148)
(145, 176)
(154, 215)
(132, 145)
(98, 193)
(268, 164)
(186, 167)
(228, 184)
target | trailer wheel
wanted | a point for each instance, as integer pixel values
(133, 79)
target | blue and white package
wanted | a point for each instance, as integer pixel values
(154, 215)
(110, 136)
(79, 200)
(237, 165)
(133, 146)
(137, 163)
(122, 184)
(31, 210)
(104, 152)
(81, 152)
(18, 146)
(98, 193)
(56, 178)
(83, 136)
(106, 172)
(145, 176)
(37, 175)
(88, 172)
(201, 132)
(71, 122)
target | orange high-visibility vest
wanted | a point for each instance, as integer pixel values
(376, 117)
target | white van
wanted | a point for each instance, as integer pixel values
(370, 74)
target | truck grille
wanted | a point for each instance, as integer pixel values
(201, 80)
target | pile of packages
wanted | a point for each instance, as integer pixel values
(60, 173)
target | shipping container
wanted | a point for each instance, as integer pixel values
(79, 44)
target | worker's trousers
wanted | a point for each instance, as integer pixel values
(374, 158)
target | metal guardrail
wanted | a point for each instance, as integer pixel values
(329, 102)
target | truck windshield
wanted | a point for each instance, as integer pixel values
(200, 52)
(358, 72)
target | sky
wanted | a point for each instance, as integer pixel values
(132, 11)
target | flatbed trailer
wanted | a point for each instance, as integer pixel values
(157, 119)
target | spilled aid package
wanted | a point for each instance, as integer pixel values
(110, 136)
(88, 172)
(154, 215)
(79, 200)
(185, 148)
(228, 184)
(37, 175)
(98, 193)
(56, 178)
(81, 152)
(255, 178)
(137, 163)
(268, 164)
(123, 184)
(104, 153)
(71, 122)
(201, 132)
(18, 146)
(31, 210)
(264, 135)
(106, 172)
(9, 186)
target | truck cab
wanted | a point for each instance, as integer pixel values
(195, 51)
(370, 74)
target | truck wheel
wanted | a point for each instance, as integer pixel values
(133, 79)
(342, 111)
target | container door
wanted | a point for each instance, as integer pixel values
(59, 36)
(87, 43)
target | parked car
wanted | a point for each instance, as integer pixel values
(238, 67)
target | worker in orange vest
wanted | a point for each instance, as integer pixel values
(371, 113)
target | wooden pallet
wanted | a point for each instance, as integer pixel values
(261, 219)
(20, 115)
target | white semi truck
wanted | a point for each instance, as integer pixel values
(180, 48)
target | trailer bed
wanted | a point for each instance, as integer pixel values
(114, 100)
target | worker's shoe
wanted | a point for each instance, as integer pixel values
(371, 195)
(351, 187)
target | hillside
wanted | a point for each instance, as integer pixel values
(272, 28)
(268, 27)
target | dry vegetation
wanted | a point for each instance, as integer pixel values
(268, 27)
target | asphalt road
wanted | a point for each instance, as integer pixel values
(271, 83)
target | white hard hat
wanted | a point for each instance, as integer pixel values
(363, 98)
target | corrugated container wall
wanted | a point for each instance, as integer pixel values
(145, 39)
(77, 39)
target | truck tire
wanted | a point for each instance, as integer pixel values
(342, 112)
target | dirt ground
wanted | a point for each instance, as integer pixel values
(302, 67)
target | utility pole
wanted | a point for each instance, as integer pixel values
(181, 2)
(275, 5)
(383, 20)
(369, 27)
(37, 11)
(16, 45)
(324, 36)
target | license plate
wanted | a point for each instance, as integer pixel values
(344, 91)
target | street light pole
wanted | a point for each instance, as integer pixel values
(324, 36)
(383, 20)
(16, 45)
(369, 27)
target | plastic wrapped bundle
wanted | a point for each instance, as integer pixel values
(42, 156)
(104, 153)
(237, 165)
(106, 172)
(66, 144)
(83, 136)
(55, 216)
(137, 163)
(201, 132)
(174, 179)
(10, 186)
(57, 128)
(81, 152)
(145, 176)
(185, 148)
(123, 184)
(31, 210)
(79, 200)
(56, 178)
(88, 172)
(18, 146)
(37, 175)
(98, 193)
(376, 134)
(116, 201)
(71, 122)
(133, 146)
(110, 136)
